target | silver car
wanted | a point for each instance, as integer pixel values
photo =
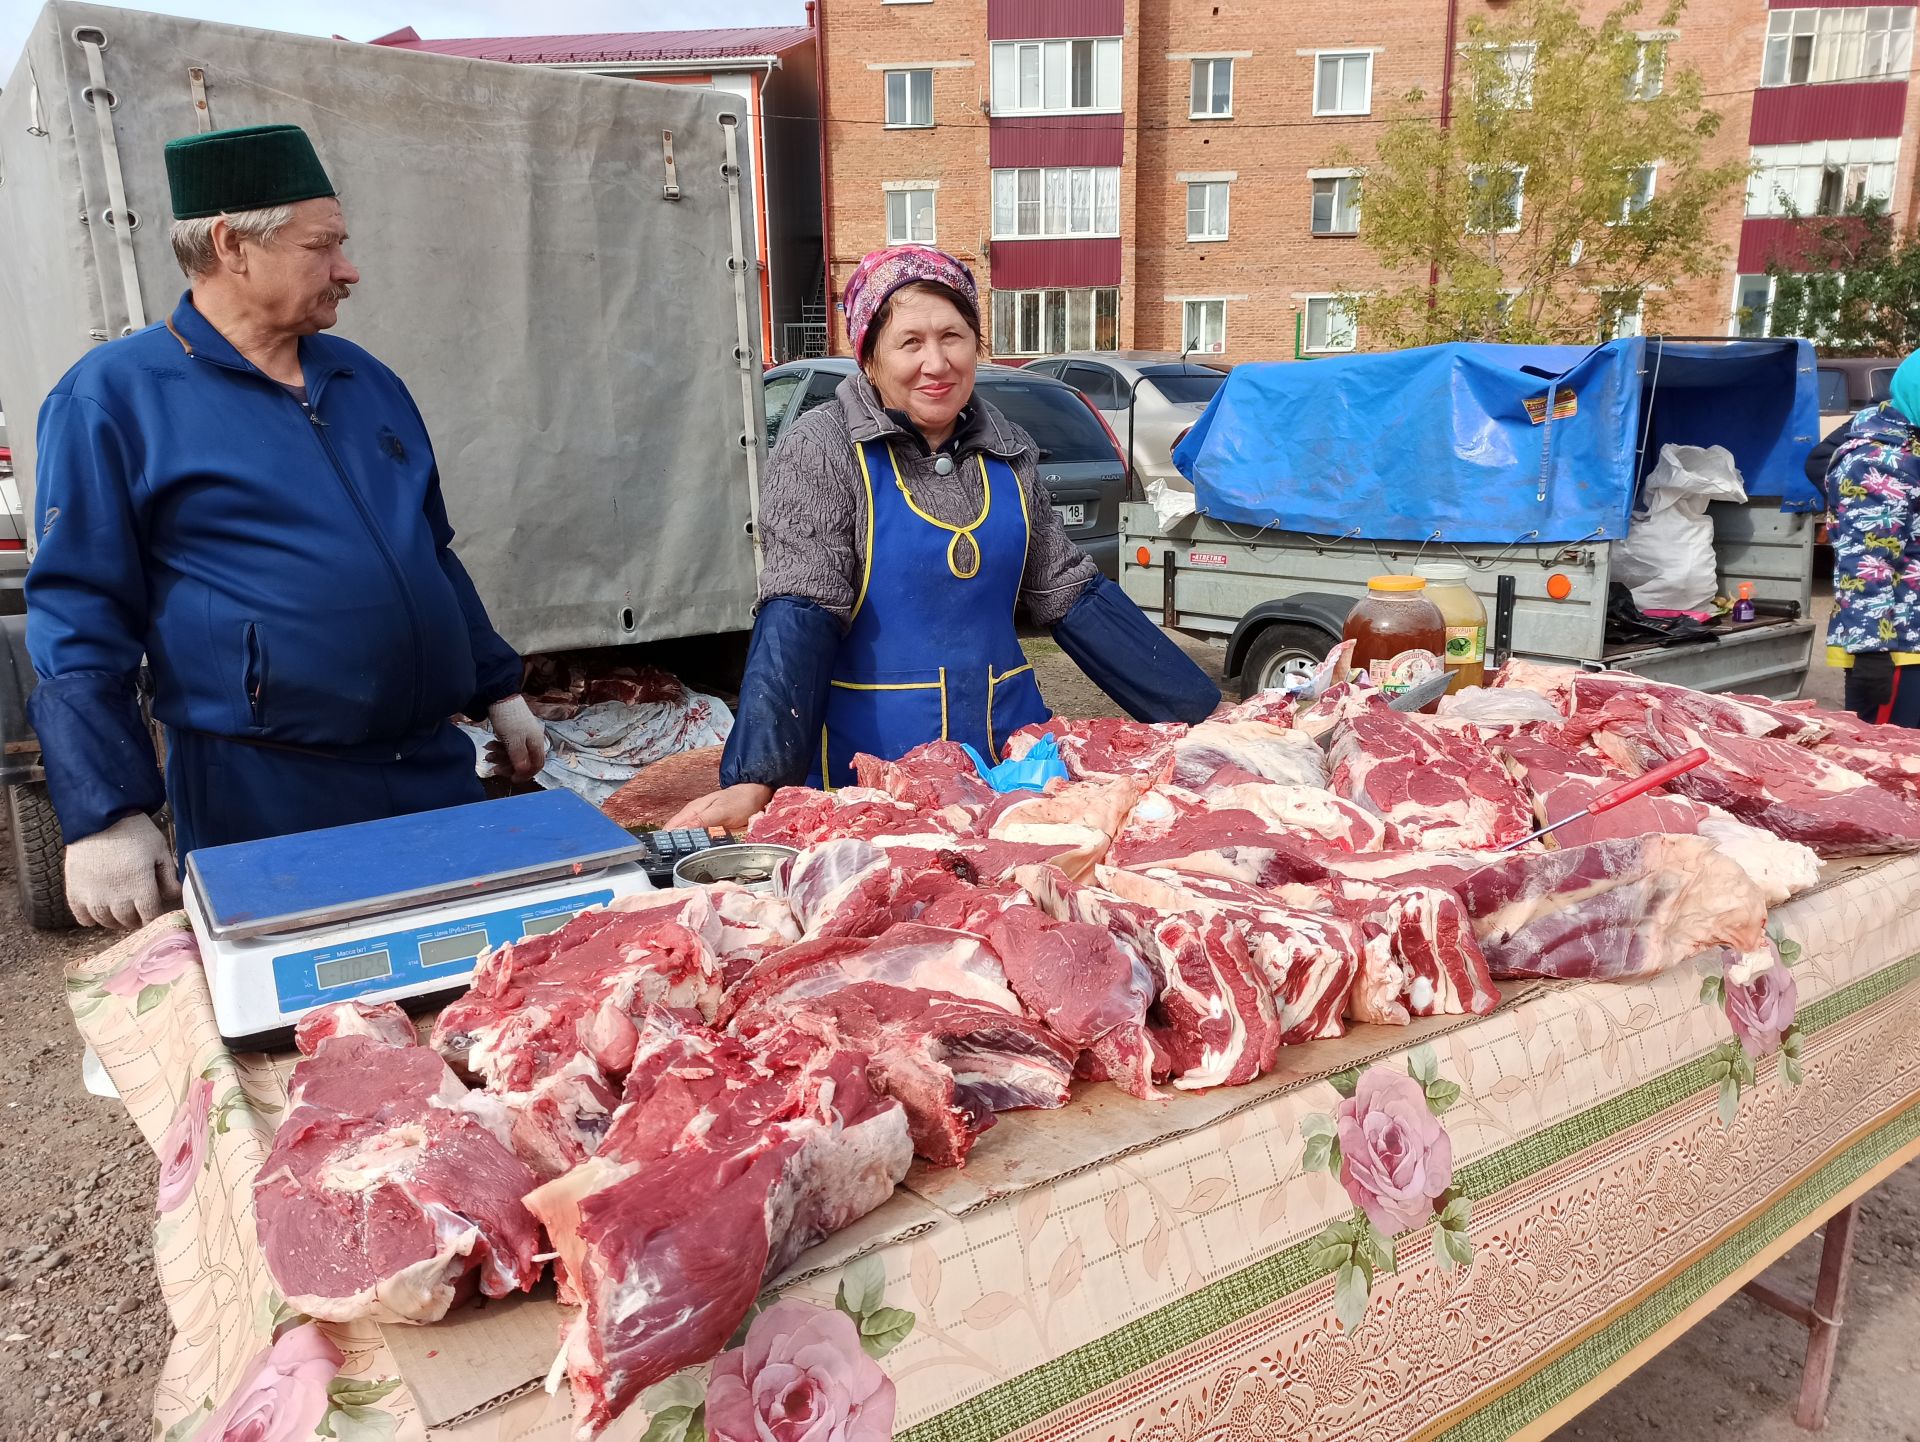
(1150, 398)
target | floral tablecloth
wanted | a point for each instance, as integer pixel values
(1465, 1232)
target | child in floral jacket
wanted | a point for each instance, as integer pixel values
(1873, 501)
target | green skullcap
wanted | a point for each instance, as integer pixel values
(252, 168)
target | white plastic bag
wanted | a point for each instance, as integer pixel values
(1168, 504)
(1667, 557)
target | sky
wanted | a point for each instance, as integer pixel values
(434, 19)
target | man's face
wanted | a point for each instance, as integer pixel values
(297, 280)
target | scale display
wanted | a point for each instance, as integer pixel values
(433, 953)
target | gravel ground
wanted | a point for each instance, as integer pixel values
(83, 1332)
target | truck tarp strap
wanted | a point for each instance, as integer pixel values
(741, 264)
(118, 218)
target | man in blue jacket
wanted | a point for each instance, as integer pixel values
(254, 506)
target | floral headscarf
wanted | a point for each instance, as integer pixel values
(883, 272)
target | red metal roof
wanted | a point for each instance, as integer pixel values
(616, 48)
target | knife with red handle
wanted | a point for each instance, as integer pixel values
(1626, 791)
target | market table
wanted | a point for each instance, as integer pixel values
(1158, 1270)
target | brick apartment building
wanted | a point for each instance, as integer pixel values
(1156, 174)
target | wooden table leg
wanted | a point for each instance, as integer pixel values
(1822, 1318)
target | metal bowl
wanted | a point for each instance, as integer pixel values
(754, 865)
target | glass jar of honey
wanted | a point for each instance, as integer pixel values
(1466, 620)
(1398, 635)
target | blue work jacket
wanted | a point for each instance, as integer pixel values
(287, 572)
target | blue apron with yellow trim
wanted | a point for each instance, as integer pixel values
(931, 652)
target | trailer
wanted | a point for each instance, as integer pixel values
(557, 264)
(1516, 461)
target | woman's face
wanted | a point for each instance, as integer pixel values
(924, 360)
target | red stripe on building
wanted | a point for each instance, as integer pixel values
(1036, 264)
(1788, 114)
(1055, 19)
(1029, 140)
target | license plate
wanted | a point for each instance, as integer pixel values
(1073, 515)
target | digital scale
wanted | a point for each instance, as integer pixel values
(397, 910)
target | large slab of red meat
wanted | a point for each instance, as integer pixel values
(1612, 910)
(385, 1197)
(1101, 747)
(1888, 756)
(1436, 786)
(725, 1162)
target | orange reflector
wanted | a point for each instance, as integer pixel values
(1143, 556)
(1559, 587)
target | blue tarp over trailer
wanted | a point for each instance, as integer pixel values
(1453, 442)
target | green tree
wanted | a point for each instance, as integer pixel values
(1570, 187)
(1852, 286)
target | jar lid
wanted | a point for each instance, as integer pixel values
(1396, 583)
(1449, 571)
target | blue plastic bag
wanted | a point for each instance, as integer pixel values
(1031, 772)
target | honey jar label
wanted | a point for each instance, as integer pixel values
(1395, 674)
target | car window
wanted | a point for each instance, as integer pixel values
(778, 395)
(1044, 368)
(1188, 389)
(1833, 391)
(1099, 384)
(1880, 383)
(820, 390)
(1056, 418)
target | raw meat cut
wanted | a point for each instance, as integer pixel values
(1103, 747)
(798, 816)
(909, 955)
(949, 1061)
(1214, 1022)
(1176, 828)
(658, 792)
(1077, 820)
(1704, 711)
(1436, 786)
(1310, 812)
(382, 1020)
(1626, 908)
(1085, 986)
(536, 1004)
(724, 1163)
(931, 777)
(1258, 748)
(1781, 869)
(842, 888)
(1792, 791)
(1888, 756)
(384, 1197)
(1309, 962)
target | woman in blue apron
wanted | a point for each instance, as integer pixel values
(905, 534)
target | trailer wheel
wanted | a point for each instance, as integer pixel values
(39, 857)
(1281, 651)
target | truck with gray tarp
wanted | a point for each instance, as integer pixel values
(1529, 462)
(559, 265)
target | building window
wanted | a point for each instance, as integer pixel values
(1649, 75)
(1204, 331)
(1039, 322)
(1336, 204)
(1496, 193)
(1207, 210)
(1070, 200)
(1620, 314)
(1752, 304)
(1343, 83)
(1855, 43)
(910, 217)
(1514, 87)
(1330, 325)
(1639, 196)
(1212, 89)
(1820, 177)
(1055, 77)
(909, 98)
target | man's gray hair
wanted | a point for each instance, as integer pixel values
(193, 239)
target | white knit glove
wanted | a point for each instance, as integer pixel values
(521, 741)
(122, 877)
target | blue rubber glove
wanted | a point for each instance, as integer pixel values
(1128, 657)
(776, 731)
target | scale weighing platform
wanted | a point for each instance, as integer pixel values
(395, 910)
